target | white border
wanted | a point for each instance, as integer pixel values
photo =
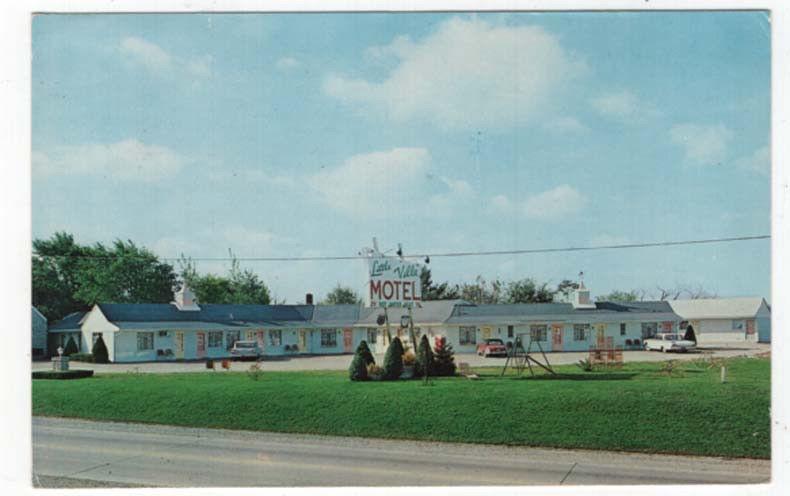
(15, 87)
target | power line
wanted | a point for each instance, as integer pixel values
(452, 254)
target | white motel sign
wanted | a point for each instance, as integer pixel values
(393, 282)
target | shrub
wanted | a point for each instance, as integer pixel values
(444, 360)
(210, 364)
(366, 353)
(62, 374)
(375, 372)
(255, 372)
(690, 336)
(82, 357)
(358, 370)
(424, 358)
(585, 365)
(71, 347)
(409, 359)
(100, 354)
(393, 361)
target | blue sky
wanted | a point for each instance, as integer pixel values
(307, 134)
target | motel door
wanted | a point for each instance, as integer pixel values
(201, 344)
(749, 327)
(486, 333)
(180, 345)
(556, 337)
(600, 335)
(259, 337)
(303, 340)
(348, 341)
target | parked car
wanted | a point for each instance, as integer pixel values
(246, 349)
(669, 342)
(492, 347)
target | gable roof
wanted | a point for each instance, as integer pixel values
(424, 312)
(717, 308)
(336, 315)
(224, 314)
(37, 313)
(70, 322)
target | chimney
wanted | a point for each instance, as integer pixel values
(308, 299)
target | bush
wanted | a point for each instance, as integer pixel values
(366, 353)
(82, 357)
(100, 351)
(62, 374)
(424, 358)
(375, 372)
(393, 361)
(71, 347)
(444, 359)
(409, 359)
(255, 372)
(585, 365)
(690, 336)
(358, 370)
(210, 364)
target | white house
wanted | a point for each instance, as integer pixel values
(727, 320)
(39, 333)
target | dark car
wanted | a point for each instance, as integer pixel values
(492, 347)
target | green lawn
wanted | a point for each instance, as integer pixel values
(634, 409)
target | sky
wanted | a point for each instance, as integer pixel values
(302, 135)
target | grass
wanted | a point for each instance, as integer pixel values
(638, 408)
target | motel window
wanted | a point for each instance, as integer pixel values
(580, 332)
(145, 341)
(96, 336)
(510, 331)
(738, 325)
(537, 332)
(372, 334)
(215, 339)
(328, 338)
(649, 329)
(232, 337)
(163, 334)
(622, 329)
(275, 338)
(467, 335)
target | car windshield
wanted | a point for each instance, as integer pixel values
(244, 345)
(494, 341)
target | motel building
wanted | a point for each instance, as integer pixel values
(188, 330)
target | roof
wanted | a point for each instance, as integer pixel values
(226, 314)
(183, 325)
(717, 308)
(38, 313)
(336, 315)
(520, 313)
(424, 312)
(70, 322)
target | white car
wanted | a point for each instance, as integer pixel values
(669, 342)
(246, 349)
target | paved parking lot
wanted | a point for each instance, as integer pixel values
(341, 362)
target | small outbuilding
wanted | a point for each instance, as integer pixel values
(726, 320)
(39, 333)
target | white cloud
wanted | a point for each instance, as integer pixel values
(458, 192)
(287, 63)
(556, 203)
(480, 75)
(128, 159)
(624, 106)
(372, 183)
(155, 59)
(759, 161)
(560, 202)
(565, 125)
(702, 144)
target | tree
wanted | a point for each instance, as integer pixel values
(364, 350)
(239, 287)
(424, 363)
(393, 360)
(690, 336)
(620, 296)
(431, 291)
(564, 290)
(99, 351)
(527, 291)
(342, 295)
(55, 275)
(358, 370)
(71, 347)
(444, 360)
(482, 291)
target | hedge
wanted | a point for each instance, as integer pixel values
(62, 374)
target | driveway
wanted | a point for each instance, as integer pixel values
(341, 362)
(79, 453)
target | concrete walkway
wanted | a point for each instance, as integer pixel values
(154, 455)
(341, 362)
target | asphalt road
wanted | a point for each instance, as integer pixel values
(151, 455)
